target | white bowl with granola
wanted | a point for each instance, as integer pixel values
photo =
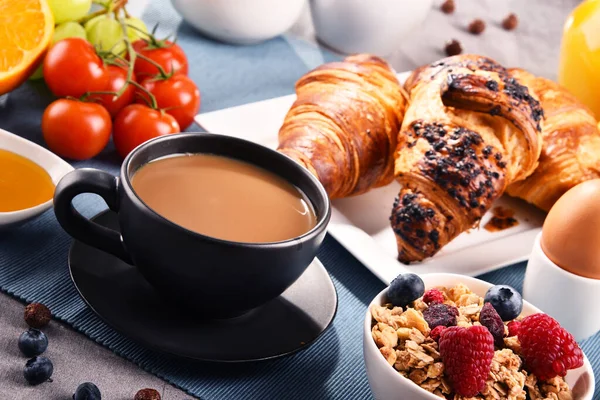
(407, 360)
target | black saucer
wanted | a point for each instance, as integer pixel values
(120, 296)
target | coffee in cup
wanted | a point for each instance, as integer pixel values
(224, 198)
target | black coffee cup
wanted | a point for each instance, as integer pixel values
(216, 278)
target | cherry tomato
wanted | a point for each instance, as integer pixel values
(177, 95)
(72, 68)
(136, 124)
(75, 129)
(117, 76)
(170, 57)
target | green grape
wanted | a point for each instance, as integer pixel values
(62, 31)
(92, 22)
(107, 35)
(136, 29)
(69, 10)
(68, 30)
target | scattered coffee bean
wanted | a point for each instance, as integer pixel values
(477, 27)
(37, 315)
(453, 48)
(147, 394)
(509, 23)
(448, 7)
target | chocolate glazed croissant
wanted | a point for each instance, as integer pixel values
(470, 130)
(571, 144)
(344, 124)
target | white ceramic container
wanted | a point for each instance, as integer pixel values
(570, 299)
(361, 26)
(240, 21)
(54, 165)
(387, 384)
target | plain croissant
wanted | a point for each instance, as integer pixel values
(470, 130)
(344, 124)
(571, 148)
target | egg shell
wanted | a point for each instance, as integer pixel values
(571, 231)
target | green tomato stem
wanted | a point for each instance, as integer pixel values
(143, 32)
(132, 56)
(153, 43)
(163, 74)
(86, 95)
(152, 100)
(114, 59)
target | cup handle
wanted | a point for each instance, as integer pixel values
(87, 180)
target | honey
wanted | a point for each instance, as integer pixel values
(23, 183)
(579, 69)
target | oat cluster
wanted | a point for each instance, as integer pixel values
(403, 338)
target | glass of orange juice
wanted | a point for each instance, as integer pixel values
(579, 68)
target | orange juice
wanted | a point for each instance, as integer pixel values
(23, 183)
(579, 69)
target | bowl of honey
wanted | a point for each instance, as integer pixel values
(28, 175)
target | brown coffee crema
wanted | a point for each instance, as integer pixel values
(224, 198)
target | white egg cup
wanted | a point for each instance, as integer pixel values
(569, 298)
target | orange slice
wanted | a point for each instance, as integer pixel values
(26, 28)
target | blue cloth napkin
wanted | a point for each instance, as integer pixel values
(33, 258)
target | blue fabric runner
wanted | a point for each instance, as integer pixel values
(33, 258)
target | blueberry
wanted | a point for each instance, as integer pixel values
(38, 370)
(506, 300)
(87, 391)
(405, 289)
(33, 342)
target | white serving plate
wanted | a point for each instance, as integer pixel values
(361, 223)
(54, 165)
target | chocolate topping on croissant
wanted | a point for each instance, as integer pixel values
(470, 130)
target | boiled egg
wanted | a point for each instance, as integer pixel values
(571, 231)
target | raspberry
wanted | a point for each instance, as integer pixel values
(440, 314)
(513, 328)
(436, 332)
(547, 348)
(433, 296)
(489, 318)
(467, 354)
